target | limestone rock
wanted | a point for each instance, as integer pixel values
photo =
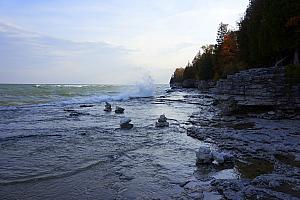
(207, 156)
(162, 122)
(119, 110)
(189, 83)
(125, 123)
(107, 107)
(204, 155)
(260, 87)
(221, 157)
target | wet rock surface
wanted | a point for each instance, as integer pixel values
(86, 106)
(107, 107)
(125, 123)
(162, 122)
(119, 110)
(266, 149)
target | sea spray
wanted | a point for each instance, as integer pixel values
(145, 88)
(141, 89)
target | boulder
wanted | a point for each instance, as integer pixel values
(162, 122)
(221, 157)
(125, 123)
(162, 118)
(119, 110)
(107, 107)
(207, 156)
(125, 120)
(204, 155)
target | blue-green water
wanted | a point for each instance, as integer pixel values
(26, 94)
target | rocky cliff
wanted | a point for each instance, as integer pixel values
(260, 87)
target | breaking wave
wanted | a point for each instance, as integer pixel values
(143, 89)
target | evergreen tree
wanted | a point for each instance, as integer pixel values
(222, 31)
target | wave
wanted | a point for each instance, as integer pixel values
(85, 167)
(142, 89)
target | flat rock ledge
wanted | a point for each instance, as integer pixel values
(267, 155)
(260, 88)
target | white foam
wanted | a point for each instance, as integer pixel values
(142, 89)
(75, 86)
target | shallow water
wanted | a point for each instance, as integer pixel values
(46, 154)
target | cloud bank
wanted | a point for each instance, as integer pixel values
(91, 41)
(31, 57)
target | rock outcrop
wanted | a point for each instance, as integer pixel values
(203, 85)
(189, 83)
(260, 87)
(206, 85)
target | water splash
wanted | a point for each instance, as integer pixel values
(141, 89)
(145, 88)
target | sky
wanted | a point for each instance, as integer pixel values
(106, 41)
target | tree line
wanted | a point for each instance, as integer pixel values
(267, 35)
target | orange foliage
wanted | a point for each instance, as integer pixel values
(229, 48)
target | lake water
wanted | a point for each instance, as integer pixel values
(48, 154)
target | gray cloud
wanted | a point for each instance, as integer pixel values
(31, 57)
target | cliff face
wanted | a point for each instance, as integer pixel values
(260, 87)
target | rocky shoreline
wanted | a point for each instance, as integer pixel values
(258, 90)
(266, 154)
(253, 116)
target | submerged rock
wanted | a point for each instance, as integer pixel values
(107, 107)
(75, 114)
(125, 123)
(86, 106)
(69, 110)
(162, 122)
(119, 110)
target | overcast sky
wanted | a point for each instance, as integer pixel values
(106, 41)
